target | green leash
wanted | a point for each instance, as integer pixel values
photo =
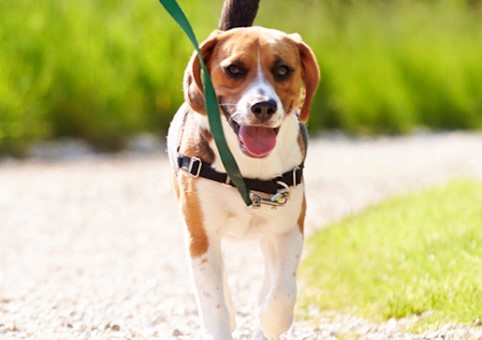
(212, 106)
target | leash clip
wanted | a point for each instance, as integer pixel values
(279, 199)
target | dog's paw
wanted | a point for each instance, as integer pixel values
(276, 317)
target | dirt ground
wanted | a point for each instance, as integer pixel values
(92, 247)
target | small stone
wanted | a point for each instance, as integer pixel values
(478, 322)
(176, 332)
(115, 327)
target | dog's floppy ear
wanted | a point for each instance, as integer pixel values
(311, 76)
(193, 85)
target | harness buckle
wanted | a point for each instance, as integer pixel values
(279, 199)
(195, 161)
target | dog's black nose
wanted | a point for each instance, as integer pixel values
(264, 110)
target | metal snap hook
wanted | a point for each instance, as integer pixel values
(279, 199)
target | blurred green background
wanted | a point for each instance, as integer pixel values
(103, 71)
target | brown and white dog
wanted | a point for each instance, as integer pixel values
(264, 80)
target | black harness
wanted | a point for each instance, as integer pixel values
(197, 168)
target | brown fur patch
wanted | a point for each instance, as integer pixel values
(195, 141)
(301, 217)
(206, 135)
(191, 210)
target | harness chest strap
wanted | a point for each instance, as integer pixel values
(197, 168)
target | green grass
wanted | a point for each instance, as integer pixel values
(105, 70)
(407, 256)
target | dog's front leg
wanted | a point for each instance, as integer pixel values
(206, 263)
(208, 275)
(277, 300)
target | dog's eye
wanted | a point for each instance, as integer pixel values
(281, 72)
(235, 71)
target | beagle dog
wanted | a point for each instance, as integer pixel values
(265, 81)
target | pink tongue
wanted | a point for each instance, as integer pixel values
(259, 141)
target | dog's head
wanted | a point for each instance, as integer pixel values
(260, 76)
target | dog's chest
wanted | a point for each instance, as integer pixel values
(226, 215)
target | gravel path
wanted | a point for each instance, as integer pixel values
(92, 248)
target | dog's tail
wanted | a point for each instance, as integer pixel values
(238, 13)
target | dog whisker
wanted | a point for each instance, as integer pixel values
(233, 116)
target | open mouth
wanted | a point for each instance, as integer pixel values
(255, 140)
